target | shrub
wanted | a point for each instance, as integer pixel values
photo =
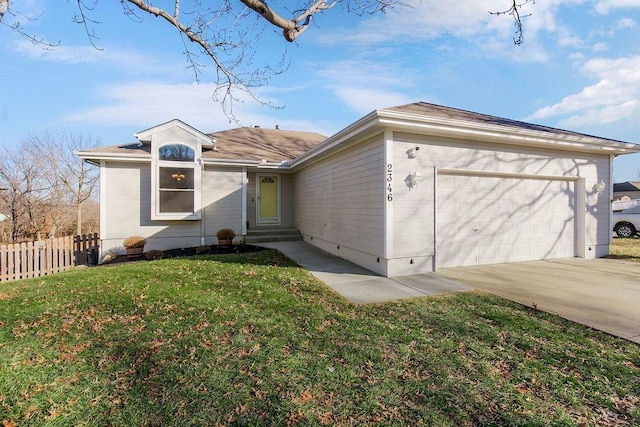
(134, 242)
(153, 254)
(110, 256)
(225, 234)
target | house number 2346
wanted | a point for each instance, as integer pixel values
(389, 182)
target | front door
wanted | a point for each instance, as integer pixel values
(268, 199)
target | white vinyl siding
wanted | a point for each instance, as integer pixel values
(222, 200)
(129, 211)
(128, 198)
(340, 199)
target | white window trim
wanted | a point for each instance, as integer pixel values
(156, 164)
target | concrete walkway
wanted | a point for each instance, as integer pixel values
(360, 285)
(601, 293)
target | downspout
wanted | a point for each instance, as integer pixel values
(243, 192)
(202, 208)
(610, 214)
(434, 265)
(103, 207)
(202, 227)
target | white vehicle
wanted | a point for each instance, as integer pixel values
(627, 222)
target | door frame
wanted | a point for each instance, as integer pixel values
(270, 220)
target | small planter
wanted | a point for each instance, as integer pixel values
(133, 253)
(134, 246)
(225, 236)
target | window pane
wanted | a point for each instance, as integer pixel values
(176, 178)
(176, 201)
(176, 153)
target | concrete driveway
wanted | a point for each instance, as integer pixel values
(601, 293)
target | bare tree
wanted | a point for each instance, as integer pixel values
(225, 31)
(71, 180)
(43, 185)
(21, 177)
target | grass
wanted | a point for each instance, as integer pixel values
(251, 339)
(626, 249)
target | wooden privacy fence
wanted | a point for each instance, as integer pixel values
(33, 259)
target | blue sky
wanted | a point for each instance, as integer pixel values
(579, 69)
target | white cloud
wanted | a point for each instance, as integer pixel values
(470, 20)
(363, 72)
(426, 20)
(613, 98)
(606, 6)
(363, 86)
(625, 23)
(122, 59)
(600, 47)
(140, 103)
(143, 104)
(568, 38)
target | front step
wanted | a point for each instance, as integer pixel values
(272, 234)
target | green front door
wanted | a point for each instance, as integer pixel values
(268, 199)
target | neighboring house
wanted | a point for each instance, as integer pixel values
(629, 190)
(625, 195)
(403, 190)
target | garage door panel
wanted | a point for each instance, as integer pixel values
(486, 220)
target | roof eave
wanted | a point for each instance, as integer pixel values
(246, 163)
(97, 157)
(145, 135)
(504, 135)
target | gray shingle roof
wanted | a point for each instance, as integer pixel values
(626, 186)
(272, 145)
(433, 110)
(277, 145)
(257, 144)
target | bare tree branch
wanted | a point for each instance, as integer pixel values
(292, 28)
(18, 28)
(514, 11)
(218, 31)
(85, 21)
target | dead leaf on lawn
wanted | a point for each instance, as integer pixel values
(626, 403)
(9, 423)
(29, 412)
(305, 397)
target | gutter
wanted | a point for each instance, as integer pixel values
(461, 129)
(562, 140)
(261, 164)
(95, 158)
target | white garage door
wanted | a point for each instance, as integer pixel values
(487, 220)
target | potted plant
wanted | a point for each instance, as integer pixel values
(134, 246)
(225, 236)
